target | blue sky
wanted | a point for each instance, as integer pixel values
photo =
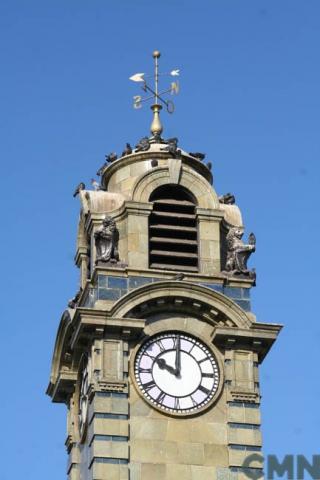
(249, 98)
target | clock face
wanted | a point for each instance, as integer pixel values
(177, 373)
(83, 397)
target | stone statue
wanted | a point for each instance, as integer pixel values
(106, 240)
(238, 252)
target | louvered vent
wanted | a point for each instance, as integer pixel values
(173, 236)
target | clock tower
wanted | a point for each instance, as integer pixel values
(157, 355)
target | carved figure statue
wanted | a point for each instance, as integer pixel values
(239, 252)
(106, 239)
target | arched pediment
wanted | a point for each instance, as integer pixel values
(188, 178)
(61, 345)
(178, 296)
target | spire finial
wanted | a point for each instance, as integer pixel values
(156, 126)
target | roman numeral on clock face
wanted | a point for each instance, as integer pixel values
(207, 375)
(160, 345)
(194, 403)
(147, 386)
(177, 403)
(160, 397)
(204, 390)
(144, 370)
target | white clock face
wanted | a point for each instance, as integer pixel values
(83, 397)
(176, 372)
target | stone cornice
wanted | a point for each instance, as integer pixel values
(122, 162)
(91, 323)
(219, 278)
(259, 338)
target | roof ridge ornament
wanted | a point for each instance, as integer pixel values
(156, 126)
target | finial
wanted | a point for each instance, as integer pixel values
(156, 126)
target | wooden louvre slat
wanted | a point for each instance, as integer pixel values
(173, 231)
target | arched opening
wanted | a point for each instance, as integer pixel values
(173, 232)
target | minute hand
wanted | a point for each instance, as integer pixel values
(178, 357)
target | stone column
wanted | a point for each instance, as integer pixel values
(138, 234)
(209, 240)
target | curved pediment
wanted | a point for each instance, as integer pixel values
(61, 359)
(183, 297)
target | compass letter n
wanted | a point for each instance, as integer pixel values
(174, 88)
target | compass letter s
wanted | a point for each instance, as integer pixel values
(137, 101)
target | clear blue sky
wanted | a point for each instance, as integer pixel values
(249, 99)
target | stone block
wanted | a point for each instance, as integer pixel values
(127, 185)
(179, 431)
(213, 286)
(138, 260)
(203, 473)
(215, 433)
(244, 304)
(135, 282)
(108, 403)
(153, 471)
(122, 174)
(135, 471)
(216, 455)
(137, 169)
(233, 292)
(190, 453)
(237, 458)
(108, 449)
(149, 451)
(244, 436)
(209, 230)
(148, 428)
(117, 282)
(178, 472)
(106, 471)
(106, 426)
(109, 294)
(210, 249)
(74, 473)
(139, 408)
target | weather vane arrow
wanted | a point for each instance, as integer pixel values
(156, 96)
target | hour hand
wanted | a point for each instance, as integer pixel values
(164, 366)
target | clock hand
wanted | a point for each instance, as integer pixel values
(178, 357)
(163, 365)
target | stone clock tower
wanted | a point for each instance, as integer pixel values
(157, 356)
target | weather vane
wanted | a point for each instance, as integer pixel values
(156, 96)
